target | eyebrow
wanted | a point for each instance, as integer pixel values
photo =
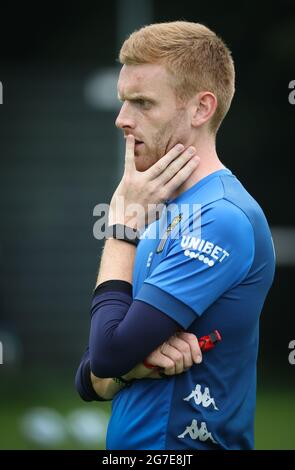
(134, 97)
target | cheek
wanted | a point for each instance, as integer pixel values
(160, 138)
(166, 138)
(163, 133)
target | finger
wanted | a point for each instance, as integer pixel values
(170, 371)
(175, 166)
(129, 153)
(181, 176)
(176, 356)
(158, 168)
(156, 375)
(183, 347)
(156, 358)
(192, 340)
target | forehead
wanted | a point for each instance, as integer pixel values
(144, 78)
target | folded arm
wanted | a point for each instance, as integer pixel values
(122, 334)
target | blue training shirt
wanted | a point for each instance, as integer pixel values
(208, 267)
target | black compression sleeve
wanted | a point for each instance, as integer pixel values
(83, 382)
(123, 333)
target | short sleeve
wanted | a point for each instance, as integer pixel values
(202, 265)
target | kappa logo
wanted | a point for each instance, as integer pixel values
(205, 400)
(196, 432)
(203, 250)
(200, 398)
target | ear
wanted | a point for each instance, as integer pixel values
(204, 106)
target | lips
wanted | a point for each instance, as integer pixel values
(138, 145)
(137, 141)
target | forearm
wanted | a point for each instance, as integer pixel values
(105, 388)
(92, 388)
(108, 388)
(123, 333)
(117, 261)
(83, 381)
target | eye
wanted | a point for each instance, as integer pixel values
(143, 103)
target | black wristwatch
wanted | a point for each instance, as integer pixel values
(123, 232)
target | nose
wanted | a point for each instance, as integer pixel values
(124, 119)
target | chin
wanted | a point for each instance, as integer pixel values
(141, 166)
(142, 162)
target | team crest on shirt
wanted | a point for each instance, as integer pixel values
(203, 250)
(169, 229)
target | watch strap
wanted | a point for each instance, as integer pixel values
(123, 232)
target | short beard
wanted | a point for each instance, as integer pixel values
(165, 137)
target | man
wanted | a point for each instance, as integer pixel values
(207, 263)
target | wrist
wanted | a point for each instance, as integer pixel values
(130, 376)
(129, 222)
(138, 372)
(122, 213)
(123, 233)
(123, 380)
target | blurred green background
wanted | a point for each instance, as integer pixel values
(61, 155)
(42, 411)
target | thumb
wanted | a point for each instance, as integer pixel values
(129, 153)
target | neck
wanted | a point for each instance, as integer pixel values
(209, 162)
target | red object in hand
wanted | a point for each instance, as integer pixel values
(208, 342)
(205, 342)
